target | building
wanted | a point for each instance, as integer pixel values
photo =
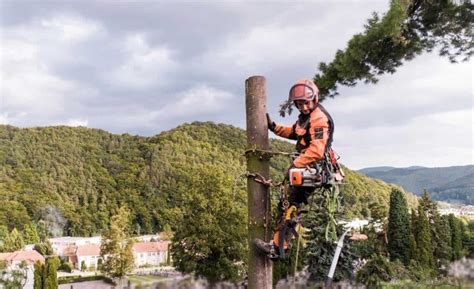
(89, 254)
(144, 254)
(15, 259)
(150, 253)
(62, 246)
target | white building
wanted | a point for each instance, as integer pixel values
(150, 253)
(89, 254)
(14, 259)
(144, 253)
(62, 246)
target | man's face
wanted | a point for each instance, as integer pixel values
(305, 106)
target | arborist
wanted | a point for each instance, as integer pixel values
(315, 165)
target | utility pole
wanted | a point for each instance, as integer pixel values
(259, 214)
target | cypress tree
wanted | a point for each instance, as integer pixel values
(444, 253)
(413, 249)
(13, 241)
(398, 227)
(440, 234)
(50, 276)
(456, 245)
(423, 240)
(38, 275)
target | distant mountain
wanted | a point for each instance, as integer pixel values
(452, 184)
(75, 178)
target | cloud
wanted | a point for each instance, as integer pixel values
(30, 88)
(71, 27)
(144, 66)
(429, 140)
(77, 122)
(198, 100)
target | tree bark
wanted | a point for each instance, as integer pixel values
(259, 214)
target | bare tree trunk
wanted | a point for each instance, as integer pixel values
(259, 214)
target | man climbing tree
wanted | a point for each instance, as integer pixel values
(313, 132)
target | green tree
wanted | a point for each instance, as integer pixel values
(398, 231)
(50, 276)
(423, 240)
(45, 248)
(13, 241)
(38, 275)
(117, 247)
(210, 239)
(83, 266)
(409, 28)
(413, 254)
(30, 234)
(456, 241)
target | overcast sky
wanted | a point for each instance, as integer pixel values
(149, 66)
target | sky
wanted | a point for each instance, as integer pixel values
(144, 67)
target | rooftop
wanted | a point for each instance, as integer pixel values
(29, 256)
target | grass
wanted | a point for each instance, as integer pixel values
(144, 280)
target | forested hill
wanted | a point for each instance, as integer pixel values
(452, 184)
(72, 179)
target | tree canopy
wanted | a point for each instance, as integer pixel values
(407, 29)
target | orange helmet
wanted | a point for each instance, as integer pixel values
(304, 89)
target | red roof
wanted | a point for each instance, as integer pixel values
(145, 247)
(88, 250)
(29, 256)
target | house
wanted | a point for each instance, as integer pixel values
(150, 253)
(144, 253)
(14, 259)
(62, 246)
(89, 254)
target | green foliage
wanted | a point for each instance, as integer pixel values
(456, 241)
(38, 275)
(83, 266)
(44, 248)
(377, 270)
(406, 30)
(50, 277)
(72, 180)
(423, 240)
(440, 233)
(319, 251)
(117, 246)
(30, 234)
(398, 231)
(65, 266)
(45, 275)
(13, 241)
(210, 239)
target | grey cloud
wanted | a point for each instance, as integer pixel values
(213, 44)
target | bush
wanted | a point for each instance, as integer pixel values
(83, 266)
(377, 270)
(65, 267)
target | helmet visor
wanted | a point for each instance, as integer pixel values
(301, 92)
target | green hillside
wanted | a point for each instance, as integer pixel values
(73, 179)
(452, 184)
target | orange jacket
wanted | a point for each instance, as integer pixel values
(313, 135)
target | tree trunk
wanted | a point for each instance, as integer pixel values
(260, 267)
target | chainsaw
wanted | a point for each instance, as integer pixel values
(306, 177)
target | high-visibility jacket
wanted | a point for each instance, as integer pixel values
(313, 135)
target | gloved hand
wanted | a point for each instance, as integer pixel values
(270, 123)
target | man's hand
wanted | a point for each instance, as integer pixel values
(270, 123)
